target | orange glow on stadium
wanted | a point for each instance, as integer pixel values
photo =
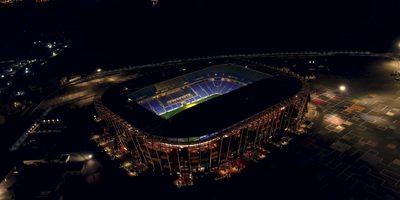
(196, 142)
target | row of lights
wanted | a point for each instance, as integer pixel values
(52, 121)
(33, 128)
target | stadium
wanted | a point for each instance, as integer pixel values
(200, 121)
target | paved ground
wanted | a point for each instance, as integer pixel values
(358, 142)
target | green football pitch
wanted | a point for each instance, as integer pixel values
(176, 111)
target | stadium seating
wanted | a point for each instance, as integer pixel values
(212, 88)
(235, 86)
(199, 91)
(147, 106)
(223, 84)
(188, 90)
(226, 87)
(157, 107)
(164, 99)
(205, 88)
(175, 95)
(219, 85)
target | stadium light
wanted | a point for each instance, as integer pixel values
(342, 88)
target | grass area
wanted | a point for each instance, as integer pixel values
(176, 111)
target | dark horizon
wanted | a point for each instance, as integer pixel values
(129, 32)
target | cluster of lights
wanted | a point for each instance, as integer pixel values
(52, 121)
(154, 2)
(189, 145)
(33, 128)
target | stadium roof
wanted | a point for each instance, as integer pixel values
(210, 116)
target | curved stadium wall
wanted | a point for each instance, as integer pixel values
(188, 155)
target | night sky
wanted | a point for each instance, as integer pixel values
(126, 31)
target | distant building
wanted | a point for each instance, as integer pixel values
(35, 159)
(35, 89)
(10, 108)
(154, 2)
(15, 1)
(43, 159)
(9, 1)
(42, 1)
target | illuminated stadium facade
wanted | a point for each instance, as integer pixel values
(202, 120)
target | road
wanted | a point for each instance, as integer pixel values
(79, 93)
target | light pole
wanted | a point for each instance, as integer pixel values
(342, 88)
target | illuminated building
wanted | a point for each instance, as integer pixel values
(207, 135)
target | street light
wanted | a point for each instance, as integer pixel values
(99, 70)
(342, 88)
